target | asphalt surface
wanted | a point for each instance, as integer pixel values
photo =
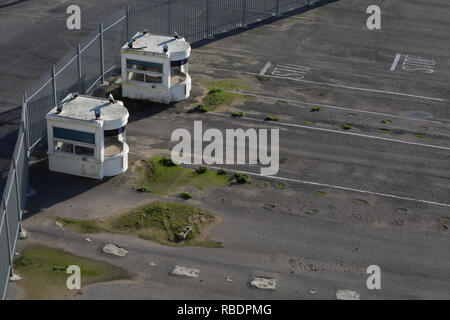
(33, 37)
(383, 193)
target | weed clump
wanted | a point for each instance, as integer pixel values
(167, 162)
(201, 170)
(237, 114)
(240, 178)
(272, 118)
(185, 195)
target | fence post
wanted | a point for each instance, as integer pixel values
(169, 17)
(208, 20)
(127, 13)
(80, 84)
(278, 8)
(102, 54)
(18, 195)
(7, 231)
(244, 13)
(26, 124)
(55, 100)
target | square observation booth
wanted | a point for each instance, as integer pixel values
(87, 137)
(155, 68)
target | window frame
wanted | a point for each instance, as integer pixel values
(145, 73)
(75, 144)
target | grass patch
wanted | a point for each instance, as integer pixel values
(185, 195)
(362, 201)
(384, 130)
(216, 98)
(385, 121)
(272, 118)
(263, 78)
(310, 123)
(346, 127)
(202, 108)
(316, 109)
(237, 114)
(201, 170)
(157, 221)
(280, 185)
(44, 272)
(282, 102)
(321, 193)
(155, 176)
(240, 178)
(420, 135)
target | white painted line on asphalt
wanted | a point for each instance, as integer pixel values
(358, 88)
(265, 68)
(338, 187)
(340, 86)
(395, 63)
(338, 132)
(292, 101)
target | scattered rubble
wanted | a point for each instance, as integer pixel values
(60, 225)
(115, 250)
(183, 234)
(347, 295)
(185, 272)
(264, 283)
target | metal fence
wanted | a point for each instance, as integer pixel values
(95, 59)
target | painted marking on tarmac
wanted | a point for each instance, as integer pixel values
(290, 71)
(385, 195)
(415, 63)
(340, 86)
(339, 132)
(265, 68)
(299, 102)
(395, 63)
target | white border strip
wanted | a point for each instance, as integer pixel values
(338, 187)
(338, 132)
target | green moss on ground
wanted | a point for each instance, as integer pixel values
(43, 270)
(155, 176)
(157, 221)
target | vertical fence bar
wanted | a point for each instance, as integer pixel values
(26, 124)
(5, 213)
(80, 85)
(208, 20)
(244, 13)
(55, 99)
(127, 13)
(277, 8)
(17, 190)
(169, 17)
(102, 55)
